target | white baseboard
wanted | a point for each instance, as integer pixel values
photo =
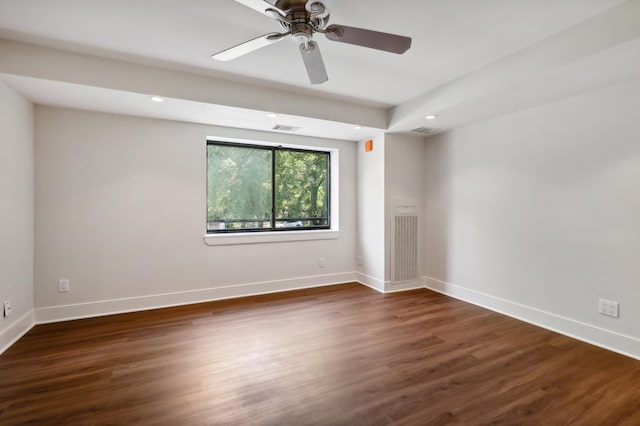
(387, 286)
(607, 339)
(118, 306)
(371, 282)
(610, 340)
(391, 287)
(15, 331)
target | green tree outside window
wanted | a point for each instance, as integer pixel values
(259, 188)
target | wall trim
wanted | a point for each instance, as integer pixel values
(606, 339)
(16, 330)
(269, 237)
(51, 314)
(371, 282)
(391, 287)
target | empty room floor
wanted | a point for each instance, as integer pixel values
(335, 355)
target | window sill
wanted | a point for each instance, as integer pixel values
(269, 237)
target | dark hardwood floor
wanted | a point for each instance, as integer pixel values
(334, 355)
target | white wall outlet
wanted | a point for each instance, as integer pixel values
(608, 307)
(7, 308)
(63, 286)
(321, 262)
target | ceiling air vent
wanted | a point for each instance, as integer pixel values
(285, 128)
(425, 130)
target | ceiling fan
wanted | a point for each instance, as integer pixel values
(301, 19)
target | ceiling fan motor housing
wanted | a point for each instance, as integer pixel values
(302, 21)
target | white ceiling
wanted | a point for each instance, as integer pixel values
(46, 92)
(451, 39)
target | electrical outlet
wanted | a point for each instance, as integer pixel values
(608, 307)
(63, 286)
(321, 262)
(7, 308)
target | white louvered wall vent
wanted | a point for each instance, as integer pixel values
(426, 130)
(404, 244)
(285, 128)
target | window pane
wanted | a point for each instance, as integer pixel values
(302, 189)
(239, 188)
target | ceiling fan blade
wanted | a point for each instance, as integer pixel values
(313, 62)
(368, 38)
(248, 47)
(261, 6)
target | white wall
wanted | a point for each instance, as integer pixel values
(537, 214)
(394, 169)
(121, 205)
(404, 179)
(371, 220)
(16, 214)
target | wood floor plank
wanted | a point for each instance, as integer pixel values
(328, 356)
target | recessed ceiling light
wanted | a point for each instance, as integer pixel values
(272, 115)
(431, 117)
(157, 99)
(357, 127)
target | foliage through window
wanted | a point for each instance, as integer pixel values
(264, 188)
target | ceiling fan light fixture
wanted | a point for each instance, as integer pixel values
(302, 33)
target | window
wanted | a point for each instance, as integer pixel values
(253, 188)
